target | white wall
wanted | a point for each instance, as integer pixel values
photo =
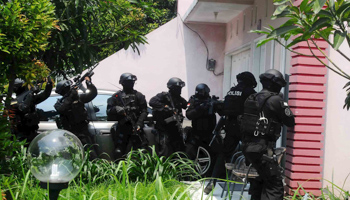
(238, 37)
(185, 6)
(337, 129)
(172, 51)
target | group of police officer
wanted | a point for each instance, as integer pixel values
(253, 118)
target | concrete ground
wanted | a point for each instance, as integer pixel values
(198, 193)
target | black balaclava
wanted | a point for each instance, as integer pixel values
(271, 86)
(128, 86)
(175, 91)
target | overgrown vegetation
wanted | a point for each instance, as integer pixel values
(310, 21)
(332, 192)
(141, 174)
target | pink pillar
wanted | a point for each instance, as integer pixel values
(304, 158)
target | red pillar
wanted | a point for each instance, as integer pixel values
(307, 94)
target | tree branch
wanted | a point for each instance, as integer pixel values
(301, 54)
(330, 60)
(324, 63)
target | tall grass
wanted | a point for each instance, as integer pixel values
(332, 192)
(142, 175)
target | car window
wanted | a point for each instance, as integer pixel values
(100, 106)
(46, 110)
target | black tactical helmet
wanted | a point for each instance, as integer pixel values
(247, 78)
(63, 86)
(274, 76)
(173, 82)
(18, 85)
(127, 77)
(202, 89)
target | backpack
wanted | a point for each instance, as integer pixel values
(254, 123)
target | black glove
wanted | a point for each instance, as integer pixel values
(28, 99)
(49, 81)
(120, 110)
(167, 108)
(73, 95)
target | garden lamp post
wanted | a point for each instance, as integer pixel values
(55, 158)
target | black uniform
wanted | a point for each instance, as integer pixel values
(257, 142)
(134, 111)
(233, 107)
(24, 115)
(171, 138)
(74, 117)
(203, 119)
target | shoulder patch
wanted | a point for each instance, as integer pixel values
(284, 104)
(288, 112)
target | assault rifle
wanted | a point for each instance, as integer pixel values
(177, 118)
(35, 89)
(130, 116)
(78, 80)
(212, 102)
(217, 129)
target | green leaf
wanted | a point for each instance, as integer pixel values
(343, 7)
(331, 5)
(295, 41)
(338, 39)
(279, 9)
(320, 23)
(324, 13)
(279, 2)
(282, 30)
(289, 22)
(346, 85)
(344, 13)
(303, 5)
(318, 5)
(259, 31)
(263, 41)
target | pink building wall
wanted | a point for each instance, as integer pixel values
(337, 129)
(172, 51)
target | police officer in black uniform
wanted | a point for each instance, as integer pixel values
(201, 110)
(129, 108)
(168, 106)
(233, 107)
(264, 114)
(73, 114)
(23, 113)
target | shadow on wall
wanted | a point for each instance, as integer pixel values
(196, 55)
(135, 55)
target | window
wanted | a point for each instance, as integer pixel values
(244, 22)
(256, 14)
(46, 110)
(251, 17)
(99, 104)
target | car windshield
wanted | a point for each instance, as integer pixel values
(46, 110)
(100, 106)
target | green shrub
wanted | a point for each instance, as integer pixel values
(145, 166)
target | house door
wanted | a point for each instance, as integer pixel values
(259, 62)
(239, 63)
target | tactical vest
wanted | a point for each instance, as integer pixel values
(129, 102)
(254, 123)
(232, 102)
(25, 120)
(76, 115)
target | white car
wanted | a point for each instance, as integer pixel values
(99, 127)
